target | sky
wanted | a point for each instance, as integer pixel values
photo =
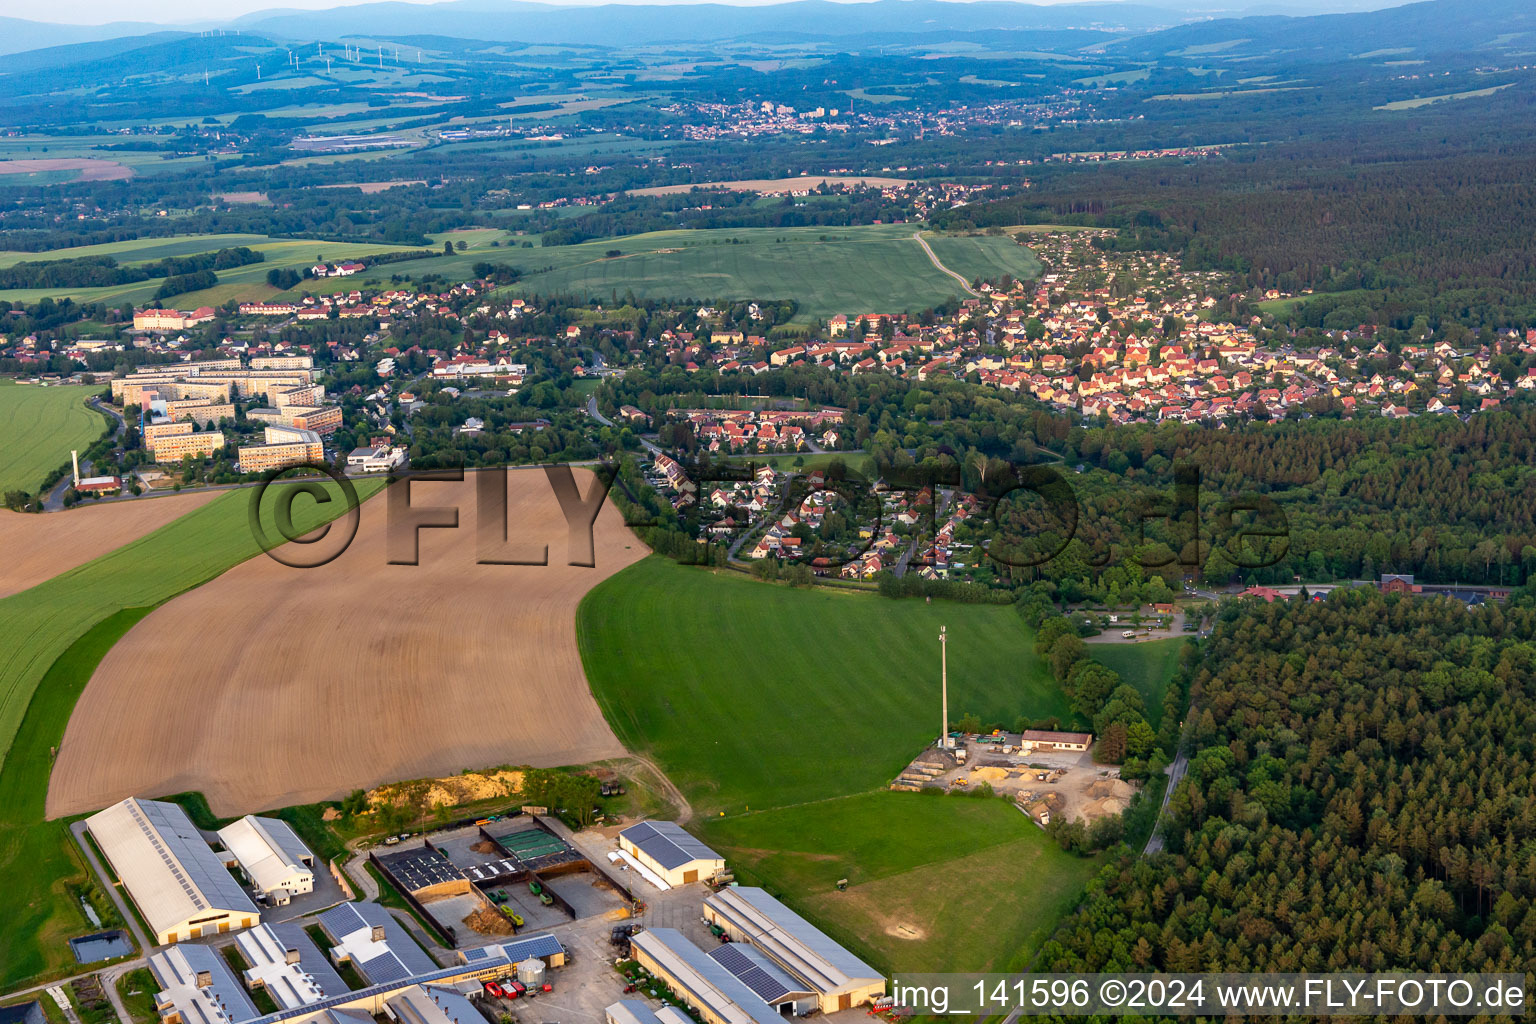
(193, 12)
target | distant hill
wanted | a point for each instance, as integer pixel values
(53, 58)
(632, 24)
(18, 35)
(1436, 26)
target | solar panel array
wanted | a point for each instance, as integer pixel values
(756, 971)
(667, 844)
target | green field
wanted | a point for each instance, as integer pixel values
(783, 715)
(1147, 666)
(39, 427)
(55, 635)
(248, 283)
(933, 882)
(987, 257)
(753, 695)
(873, 268)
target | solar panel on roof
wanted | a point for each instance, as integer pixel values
(758, 973)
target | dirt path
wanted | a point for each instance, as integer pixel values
(917, 236)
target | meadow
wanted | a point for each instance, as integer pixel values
(871, 268)
(1148, 666)
(783, 714)
(755, 695)
(246, 284)
(962, 883)
(39, 427)
(55, 635)
(987, 257)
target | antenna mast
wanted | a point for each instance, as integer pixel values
(944, 691)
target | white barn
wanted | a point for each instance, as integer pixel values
(272, 856)
(179, 884)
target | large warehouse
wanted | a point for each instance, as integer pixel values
(838, 978)
(663, 847)
(272, 856)
(717, 995)
(179, 884)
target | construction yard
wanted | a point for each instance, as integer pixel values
(1060, 784)
(418, 671)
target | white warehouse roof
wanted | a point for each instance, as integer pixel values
(269, 851)
(804, 950)
(162, 859)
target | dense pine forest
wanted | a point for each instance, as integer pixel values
(1361, 795)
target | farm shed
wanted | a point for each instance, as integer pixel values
(717, 995)
(197, 987)
(839, 979)
(543, 946)
(663, 847)
(633, 1011)
(272, 856)
(1041, 739)
(370, 938)
(754, 969)
(179, 884)
(284, 962)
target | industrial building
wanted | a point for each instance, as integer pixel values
(369, 938)
(633, 1011)
(671, 853)
(712, 991)
(543, 947)
(197, 987)
(839, 979)
(272, 856)
(178, 883)
(288, 966)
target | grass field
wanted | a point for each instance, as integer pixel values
(39, 427)
(56, 633)
(1147, 666)
(248, 283)
(988, 257)
(783, 714)
(753, 695)
(872, 268)
(965, 883)
(41, 864)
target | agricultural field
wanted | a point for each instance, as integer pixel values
(245, 284)
(873, 268)
(40, 547)
(783, 714)
(39, 427)
(754, 695)
(966, 883)
(57, 633)
(448, 663)
(988, 257)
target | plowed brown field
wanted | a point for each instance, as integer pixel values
(40, 547)
(273, 686)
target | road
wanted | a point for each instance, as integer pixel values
(594, 412)
(917, 236)
(1175, 774)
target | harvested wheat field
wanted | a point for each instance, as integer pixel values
(40, 547)
(273, 686)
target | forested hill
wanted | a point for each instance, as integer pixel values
(1361, 796)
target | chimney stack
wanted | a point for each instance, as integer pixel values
(75, 456)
